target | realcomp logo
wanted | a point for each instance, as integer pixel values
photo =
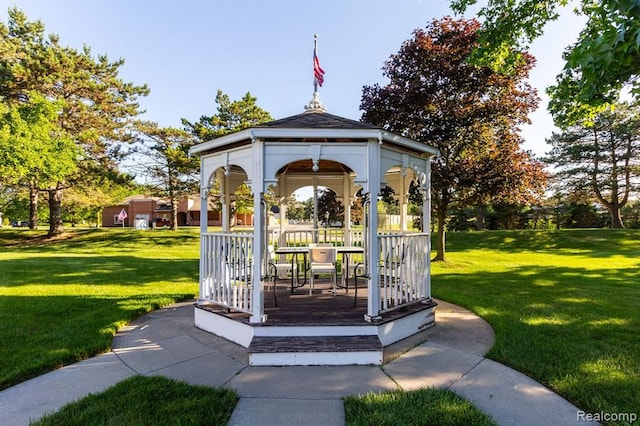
(630, 418)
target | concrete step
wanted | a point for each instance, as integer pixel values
(315, 350)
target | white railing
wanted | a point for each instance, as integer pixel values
(403, 270)
(303, 237)
(390, 222)
(226, 267)
(226, 270)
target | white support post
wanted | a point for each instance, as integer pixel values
(402, 201)
(426, 221)
(204, 210)
(226, 203)
(204, 215)
(283, 215)
(373, 170)
(315, 213)
(426, 198)
(346, 201)
(259, 228)
(403, 197)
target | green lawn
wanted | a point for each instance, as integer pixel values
(151, 401)
(565, 305)
(424, 407)
(63, 301)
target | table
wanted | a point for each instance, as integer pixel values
(295, 251)
(345, 251)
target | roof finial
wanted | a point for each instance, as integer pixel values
(318, 78)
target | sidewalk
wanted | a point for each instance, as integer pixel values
(165, 342)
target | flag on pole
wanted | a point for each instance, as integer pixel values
(122, 216)
(318, 79)
(318, 72)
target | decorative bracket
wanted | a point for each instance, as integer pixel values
(315, 156)
(204, 193)
(227, 166)
(405, 164)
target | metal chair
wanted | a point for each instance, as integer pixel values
(287, 268)
(351, 268)
(277, 269)
(322, 260)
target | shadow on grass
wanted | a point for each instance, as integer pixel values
(573, 329)
(591, 242)
(93, 270)
(96, 238)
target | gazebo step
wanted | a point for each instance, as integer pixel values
(315, 350)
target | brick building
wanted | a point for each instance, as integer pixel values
(142, 210)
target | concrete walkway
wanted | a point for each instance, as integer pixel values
(166, 343)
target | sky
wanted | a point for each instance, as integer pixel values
(186, 51)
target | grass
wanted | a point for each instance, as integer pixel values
(564, 306)
(63, 301)
(421, 407)
(128, 403)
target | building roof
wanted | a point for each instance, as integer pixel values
(138, 197)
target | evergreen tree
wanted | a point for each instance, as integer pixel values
(98, 110)
(600, 158)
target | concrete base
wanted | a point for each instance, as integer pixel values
(316, 358)
(388, 332)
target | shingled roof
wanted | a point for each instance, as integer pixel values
(317, 120)
(310, 127)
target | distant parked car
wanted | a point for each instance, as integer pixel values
(159, 221)
(20, 224)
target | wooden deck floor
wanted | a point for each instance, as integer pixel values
(320, 308)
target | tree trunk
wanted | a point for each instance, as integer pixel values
(33, 205)
(481, 212)
(442, 223)
(174, 214)
(99, 217)
(55, 211)
(616, 218)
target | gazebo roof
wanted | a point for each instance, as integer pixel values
(317, 120)
(311, 126)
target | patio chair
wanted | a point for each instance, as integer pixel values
(360, 271)
(322, 260)
(351, 269)
(271, 273)
(276, 269)
(285, 267)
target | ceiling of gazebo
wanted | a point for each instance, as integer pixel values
(316, 140)
(306, 166)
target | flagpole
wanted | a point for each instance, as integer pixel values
(315, 55)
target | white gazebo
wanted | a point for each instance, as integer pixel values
(315, 149)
